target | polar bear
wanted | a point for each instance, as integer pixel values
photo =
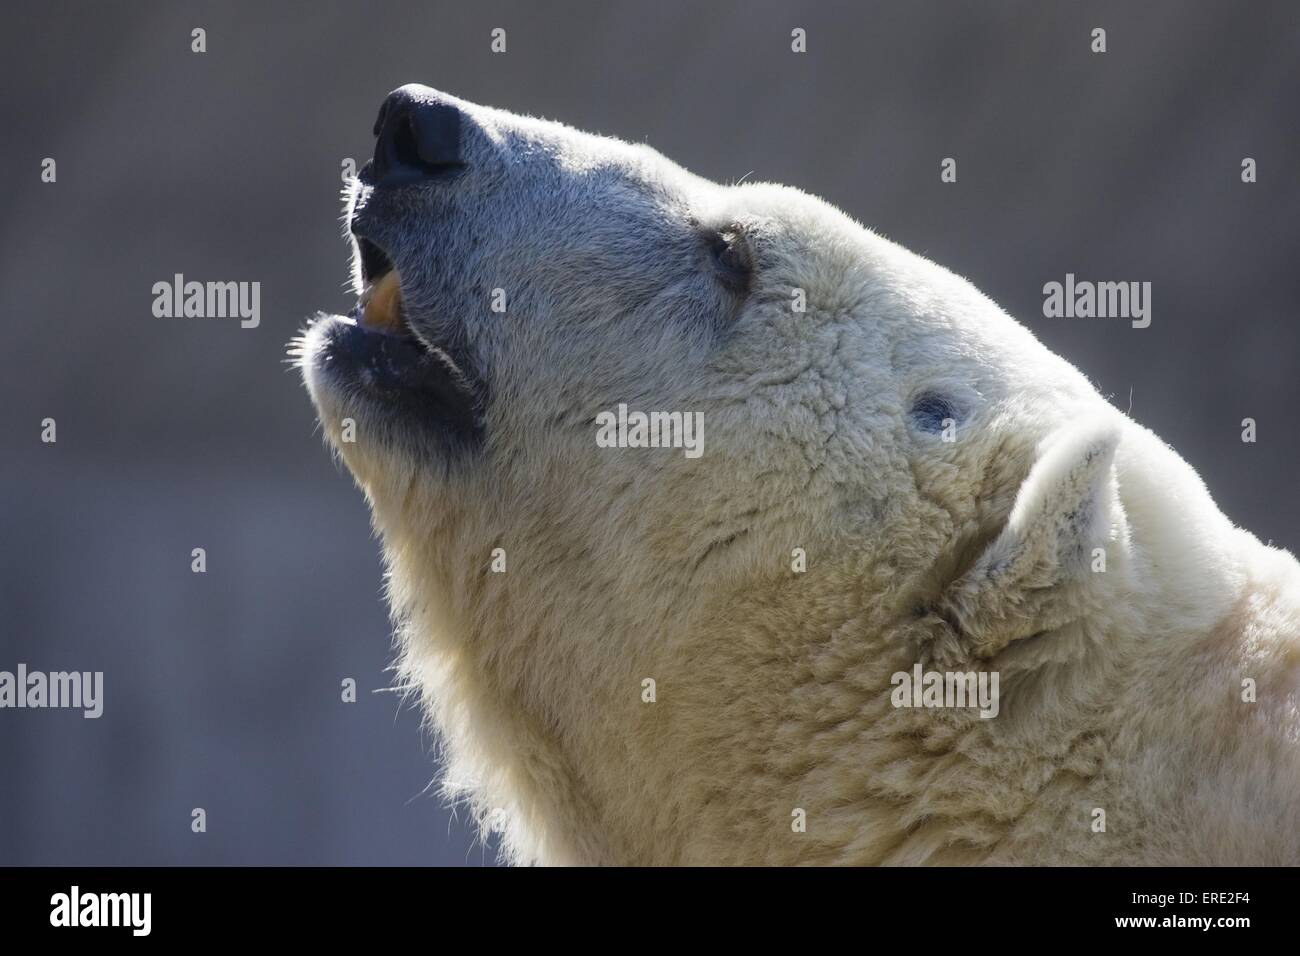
(632, 655)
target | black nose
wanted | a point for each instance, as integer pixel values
(418, 137)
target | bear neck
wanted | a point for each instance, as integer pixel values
(771, 736)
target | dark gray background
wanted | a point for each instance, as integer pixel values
(222, 690)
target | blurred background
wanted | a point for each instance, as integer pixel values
(222, 690)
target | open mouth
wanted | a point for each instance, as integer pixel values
(380, 308)
(374, 350)
(374, 344)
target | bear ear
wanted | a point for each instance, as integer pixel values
(1041, 572)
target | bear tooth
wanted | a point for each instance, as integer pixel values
(383, 309)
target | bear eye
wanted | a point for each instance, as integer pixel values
(731, 257)
(931, 410)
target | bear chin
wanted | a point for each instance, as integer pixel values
(404, 393)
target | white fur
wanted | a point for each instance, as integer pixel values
(1121, 691)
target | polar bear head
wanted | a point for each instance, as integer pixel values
(661, 653)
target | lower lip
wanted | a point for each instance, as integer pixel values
(354, 318)
(392, 361)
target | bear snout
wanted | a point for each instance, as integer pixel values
(418, 138)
